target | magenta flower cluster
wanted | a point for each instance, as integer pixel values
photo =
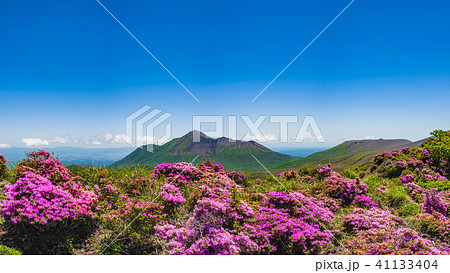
(364, 201)
(222, 224)
(171, 194)
(433, 200)
(237, 177)
(389, 241)
(45, 192)
(35, 199)
(179, 173)
(373, 218)
(346, 190)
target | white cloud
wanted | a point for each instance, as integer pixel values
(121, 139)
(28, 142)
(5, 145)
(108, 137)
(59, 140)
(260, 138)
(96, 143)
(143, 140)
(270, 137)
(105, 137)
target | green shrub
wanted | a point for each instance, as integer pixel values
(4, 250)
(407, 210)
(56, 238)
(349, 174)
(439, 147)
(435, 225)
(397, 196)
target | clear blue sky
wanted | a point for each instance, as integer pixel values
(69, 70)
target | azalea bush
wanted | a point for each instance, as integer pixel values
(426, 166)
(343, 189)
(436, 225)
(403, 241)
(44, 203)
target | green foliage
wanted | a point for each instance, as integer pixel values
(435, 225)
(4, 250)
(439, 147)
(408, 210)
(55, 238)
(4, 171)
(440, 185)
(347, 173)
(397, 196)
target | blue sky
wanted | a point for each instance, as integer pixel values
(70, 74)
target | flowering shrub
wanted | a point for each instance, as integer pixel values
(178, 173)
(403, 241)
(222, 224)
(237, 177)
(407, 178)
(324, 171)
(373, 218)
(293, 217)
(43, 164)
(426, 166)
(35, 199)
(433, 201)
(364, 201)
(291, 175)
(171, 194)
(345, 189)
(215, 241)
(401, 164)
(436, 225)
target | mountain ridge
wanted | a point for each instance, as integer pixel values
(351, 153)
(238, 154)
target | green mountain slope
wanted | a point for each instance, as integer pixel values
(350, 153)
(232, 155)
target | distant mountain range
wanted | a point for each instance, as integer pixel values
(234, 154)
(298, 152)
(73, 155)
(238, 154)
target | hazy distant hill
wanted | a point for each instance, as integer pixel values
(74, 155)
(233, 155)
(299, 152)
(351, 153)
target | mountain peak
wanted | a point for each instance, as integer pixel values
(196, 134)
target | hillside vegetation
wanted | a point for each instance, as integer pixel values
(231, 154)
(397, 204)
(350, 153)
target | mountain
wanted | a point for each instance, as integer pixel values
(73, 155)
(351, 153)
(232, 154)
